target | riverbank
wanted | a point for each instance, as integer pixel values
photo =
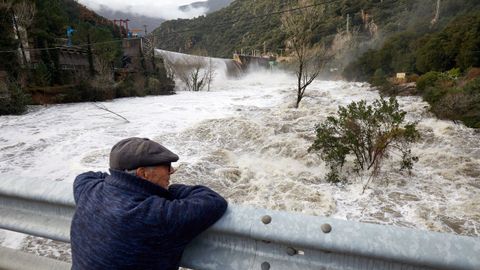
(14, 98)
(451, 95)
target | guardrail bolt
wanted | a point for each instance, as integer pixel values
(326, 228)
(291, 251)
(266, 219)
(265, 266)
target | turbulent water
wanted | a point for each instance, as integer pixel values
(246, 141)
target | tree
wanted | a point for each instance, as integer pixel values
(193, 72)
(432, 56)
(369, 133)
(13, 99)
(103, 51)
(23, 14)
(8, 61)
(299, 27)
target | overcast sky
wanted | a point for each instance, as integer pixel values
(167, 9)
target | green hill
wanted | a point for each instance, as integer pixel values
(243, 26)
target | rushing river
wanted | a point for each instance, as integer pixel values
(245, 140)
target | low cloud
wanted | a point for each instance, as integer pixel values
(165, 9)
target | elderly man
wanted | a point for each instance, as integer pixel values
(132, 218)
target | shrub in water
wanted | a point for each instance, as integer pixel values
(369, 133)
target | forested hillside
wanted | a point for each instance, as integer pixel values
(250, 25)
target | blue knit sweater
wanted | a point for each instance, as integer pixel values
(125, 222)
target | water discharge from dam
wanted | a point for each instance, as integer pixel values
(247, 141)
(223, 68)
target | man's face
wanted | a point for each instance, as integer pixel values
(159, 175)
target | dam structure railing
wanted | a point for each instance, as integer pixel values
(246, 238)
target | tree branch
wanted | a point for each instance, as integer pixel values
(104, 108)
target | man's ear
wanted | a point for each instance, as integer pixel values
(141, 172)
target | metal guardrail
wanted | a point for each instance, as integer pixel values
(14, 259)
(248, 238)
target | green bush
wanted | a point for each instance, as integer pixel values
(473, 87)
(125, 88)
(13, 100)
(153, 86)
(379, 78)
(454, 73)
(368, 133)
(448, 100)
(427, 80)
(434, 94)
(471, 117)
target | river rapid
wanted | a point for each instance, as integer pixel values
(247, 141)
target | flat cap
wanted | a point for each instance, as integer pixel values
(132, 153)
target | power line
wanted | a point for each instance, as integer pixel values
(192, 29)
(173, 34)
(255, 17)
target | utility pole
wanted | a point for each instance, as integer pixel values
(90, 56)
(145, 26)
(348, 23)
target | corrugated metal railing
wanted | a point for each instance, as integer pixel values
(248, 238)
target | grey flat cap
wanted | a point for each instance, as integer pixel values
(132, 153)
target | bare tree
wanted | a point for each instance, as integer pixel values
(210, 73)
(169, 67)
(196, 72)
(299, 26)
(193, 72)
(104, 77)
(24, 13)
(6, 4)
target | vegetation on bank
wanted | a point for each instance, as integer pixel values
(13, 99)
(243, 25)
(446, 59)
(456, 46)
(34, 46)
(451, 96)
(307, 60)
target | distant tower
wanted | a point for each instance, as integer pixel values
(126, 25)
(120, 23)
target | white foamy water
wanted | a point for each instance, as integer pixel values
(246, 141)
